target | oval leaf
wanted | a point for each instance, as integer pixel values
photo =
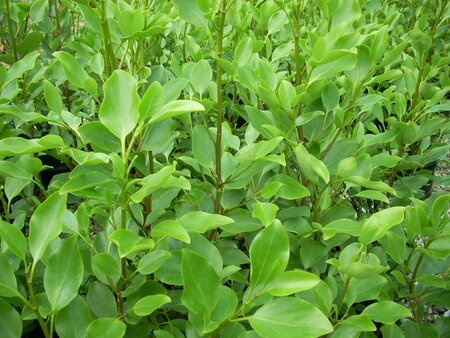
(148, 304)
(290, 318)
(45, 224)
(119, 109)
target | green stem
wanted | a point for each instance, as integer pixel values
(111, 64)
(298, 70)
(29, 278)
(218, 144)
(57, 24)
(11, 32)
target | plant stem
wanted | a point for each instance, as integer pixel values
(218, 145)
(10, 27)
(298, 71)
(110, 58)
(57, 24)
(29, 278)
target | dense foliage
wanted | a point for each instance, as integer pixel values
(232, 168)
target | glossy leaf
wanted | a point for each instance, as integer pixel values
(153, 182)
(200, 222)
(45, 224)
(378, 224)
(190, 11)
(14, 238)
(201, 76)
(8, 282)
(72, 321)
(269, 255)
(128, 242)
(72, 68)
(152, 261)
(201, 284)
(53, 97)
(18, 146)
(290, 282)
(10, 321)
(176, 108)
(152, 101)
(265, 212)
(148, 304)
(386, 312)
(170, 228)
(119, 109)
(64, 274)
(290, 318)
(106, 327)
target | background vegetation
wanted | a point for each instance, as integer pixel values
(232, 168)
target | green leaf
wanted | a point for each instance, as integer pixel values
(362, 67)
(367, 288)
(345, 61)
(100, 137)
(269, 255)
(290, 282)
(53, 97)
(14, 238)
(265, 212)
(225, 307)
(101, 300)
(203, 147)
(385, 160)
(131, 22)
(153, 182)
(190, 11)
(200, 221)
(319, 168)
(64, 274)
(20, 67)
(50, 213)
(10, 321)
(11, 169)
(373, 195)
(304, 118)
(106, 264)
(72, 321)
(152, 261)
(379, 223)
(119, 109)
(201, 76)
(439, 209)
(171, 228)
(360, 322)
(330, 96)
(152, 101)
(176, 108)
(201, 284)
(392, 331)
(106, 327)
(439, 248)
(386, 312)
(84, 181)
(263, 148)
(148, 304)
(72, 68)
(243, 51)
(129, 242)
(341, 226)
(379, 186)
(8, 282)
(346, 167)
(290, 318)
(18, 146)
